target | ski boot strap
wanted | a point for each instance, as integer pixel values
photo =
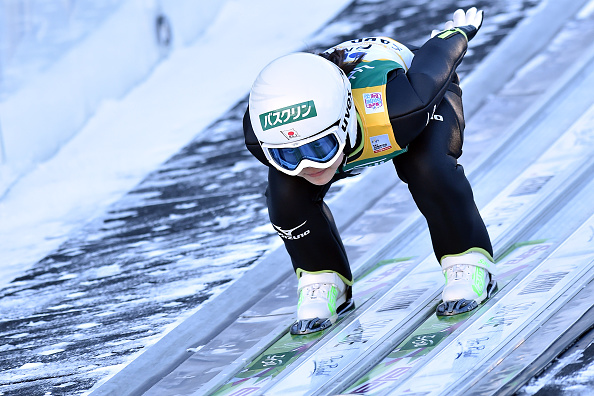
(475, 258)
(308, 279)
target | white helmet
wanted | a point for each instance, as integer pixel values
(302, 112)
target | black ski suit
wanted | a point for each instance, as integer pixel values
(436, 181)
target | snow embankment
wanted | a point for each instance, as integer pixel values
(52, 106)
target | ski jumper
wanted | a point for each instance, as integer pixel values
(409, 110)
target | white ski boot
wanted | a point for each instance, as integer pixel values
(469, 281)
(323, 297)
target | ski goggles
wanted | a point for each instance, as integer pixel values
(321, 152)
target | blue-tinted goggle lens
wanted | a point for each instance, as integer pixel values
(321, 150)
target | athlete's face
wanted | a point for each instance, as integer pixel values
(320, 177)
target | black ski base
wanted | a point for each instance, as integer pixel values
(456, 307)
(308, 326)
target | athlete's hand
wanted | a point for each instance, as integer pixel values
(469, 22)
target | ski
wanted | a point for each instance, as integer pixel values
(288, 348)
(412, 353)
(515, 316)
(406, 302)
(566, 331)
(435, 330)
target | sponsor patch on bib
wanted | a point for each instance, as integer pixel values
(373, 102)
(380, 143)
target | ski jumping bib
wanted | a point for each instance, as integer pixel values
(368, 82)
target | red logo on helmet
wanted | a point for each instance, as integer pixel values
(290, 134)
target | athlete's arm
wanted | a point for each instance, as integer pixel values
(412, 96)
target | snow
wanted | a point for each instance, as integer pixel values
(94, 162)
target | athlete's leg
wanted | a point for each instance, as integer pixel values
(304, 222)
(444, 196)
(439, 186)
